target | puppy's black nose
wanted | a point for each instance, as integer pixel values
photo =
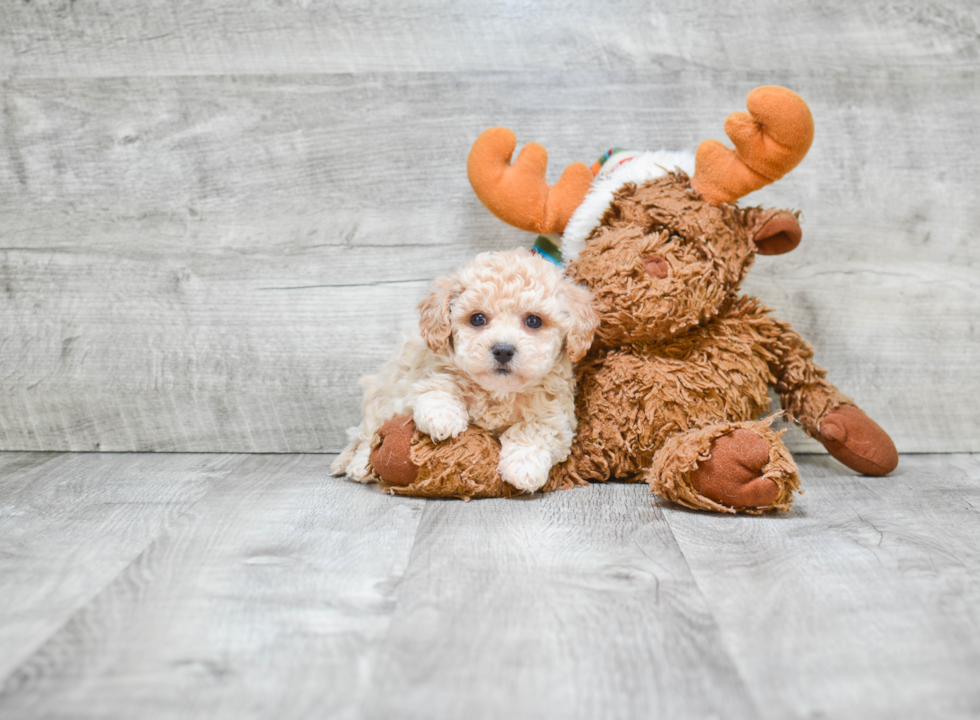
(503, 353)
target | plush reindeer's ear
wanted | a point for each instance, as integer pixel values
(584, 320)
(777, 234)
(435, 323)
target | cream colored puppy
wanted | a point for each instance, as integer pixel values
(496, 346)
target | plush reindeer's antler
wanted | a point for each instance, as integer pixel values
(770, 140)
(518, 194)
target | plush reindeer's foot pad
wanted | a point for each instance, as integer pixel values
(391, 452)
(728, 467)
(857, 441)
(733, 475)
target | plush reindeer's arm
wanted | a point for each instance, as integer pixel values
(804, 392)
(823, 411)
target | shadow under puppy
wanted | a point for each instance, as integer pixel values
(495, 348)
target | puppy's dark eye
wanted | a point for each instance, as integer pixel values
(478, 319)
(533, 322)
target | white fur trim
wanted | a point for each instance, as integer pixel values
(641, 168)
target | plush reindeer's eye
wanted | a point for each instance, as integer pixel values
(478, 319)
(532, 321)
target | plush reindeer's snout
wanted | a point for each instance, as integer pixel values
(655, 266)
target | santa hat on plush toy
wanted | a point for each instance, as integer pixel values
(770, 140)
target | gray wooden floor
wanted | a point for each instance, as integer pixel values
(192, 585)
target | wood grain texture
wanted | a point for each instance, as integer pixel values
(14, 465)
(863, 602)
(58, 38)
(70, 524)
(266, 599)
(285, 594)
(575, 605)
(217, 216)
(227, 587)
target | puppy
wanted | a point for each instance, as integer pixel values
(496, 345)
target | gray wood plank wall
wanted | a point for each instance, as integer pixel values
(214, 216)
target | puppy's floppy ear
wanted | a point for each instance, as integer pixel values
(435, 324)
(584, 320)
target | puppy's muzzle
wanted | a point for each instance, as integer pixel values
(502, 353)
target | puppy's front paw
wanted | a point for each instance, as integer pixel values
(524, 467)
(338, 467)
(440, 421)
(357, 468)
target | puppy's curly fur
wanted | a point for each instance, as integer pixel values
(496, 345)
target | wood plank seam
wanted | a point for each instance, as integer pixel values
(666, 509)
(8, 682)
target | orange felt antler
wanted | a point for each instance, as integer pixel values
(770, 140)
(518, 194)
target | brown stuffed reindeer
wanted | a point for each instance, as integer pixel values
(675, 383)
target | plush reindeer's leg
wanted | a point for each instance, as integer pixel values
(727, 467)
(407, 462)
(823, 411)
